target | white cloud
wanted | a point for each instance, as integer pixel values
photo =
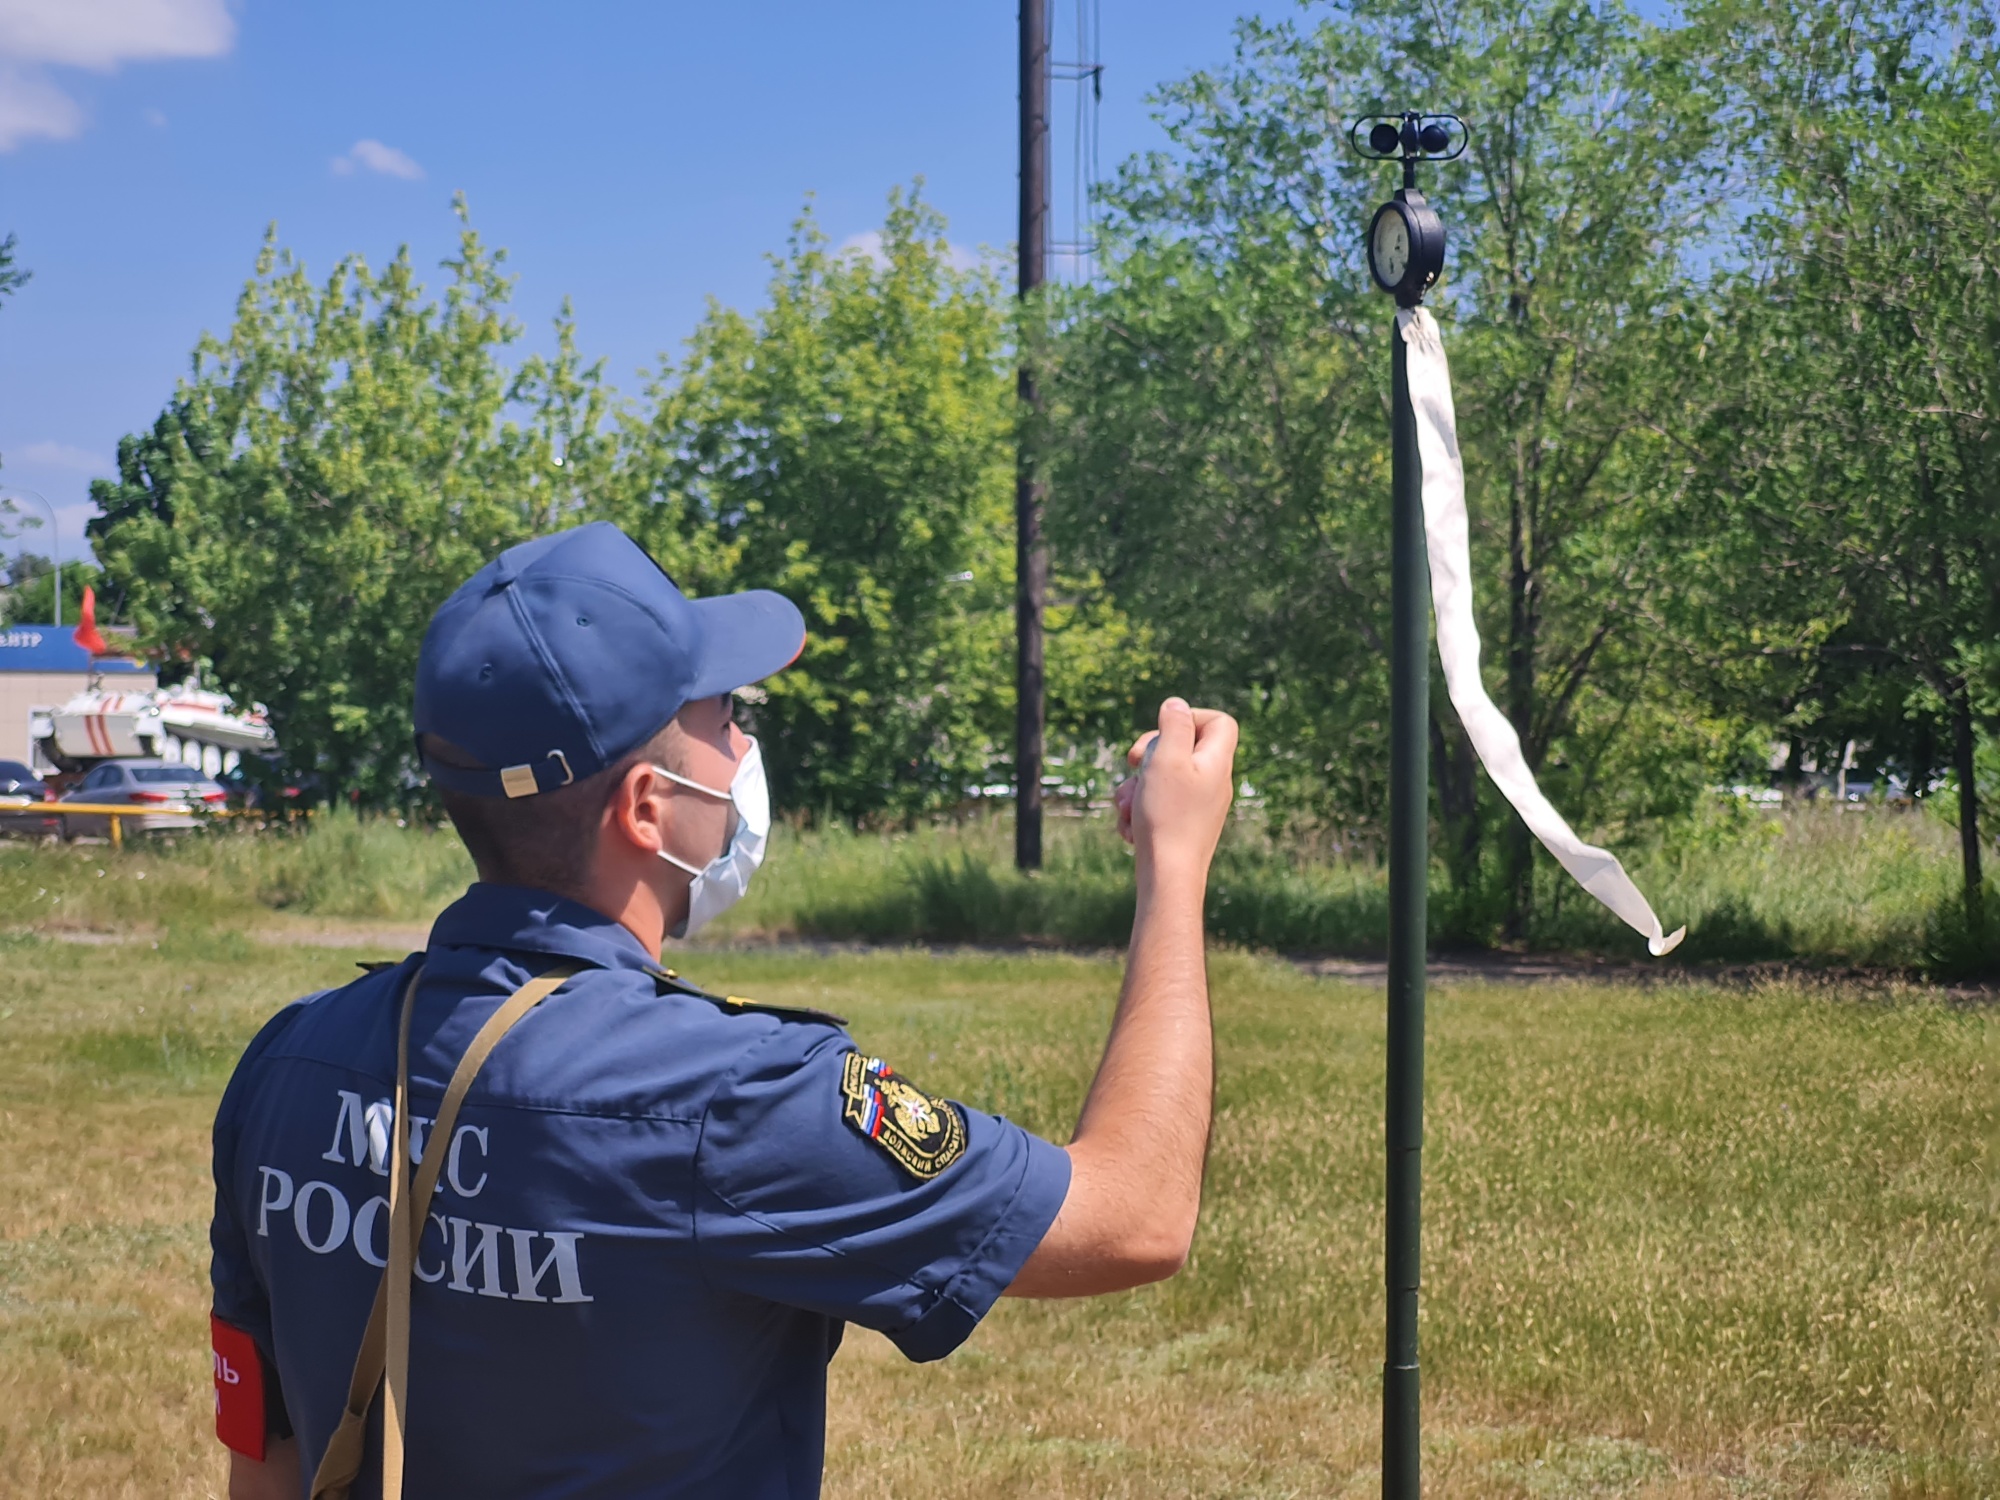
(26, 529)
(63, 456)
(100, 35)
(31, 105)
(373, 156)
(867, 245)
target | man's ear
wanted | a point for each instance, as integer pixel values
(637, 809)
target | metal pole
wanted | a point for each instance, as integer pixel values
(1409, 860)
(1031, 559)
(55, 542)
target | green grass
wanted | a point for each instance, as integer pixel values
(1680, 1240)
(338, 866)
(1866, 887)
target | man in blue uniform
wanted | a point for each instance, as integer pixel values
(529, 1215)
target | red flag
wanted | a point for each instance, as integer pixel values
(86, 634)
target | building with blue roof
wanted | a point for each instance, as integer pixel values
(42, 666)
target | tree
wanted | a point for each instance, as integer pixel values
(354, 450)
(30, 592)
(12, 276)
(330, 471)
(1212, 462)
(1222, 399)
(850, 445)
(1866, 481)
(12, 279)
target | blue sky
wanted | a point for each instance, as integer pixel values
(637, 158)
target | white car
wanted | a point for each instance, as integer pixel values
(178, 793)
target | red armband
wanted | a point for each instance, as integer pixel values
(239, 1389)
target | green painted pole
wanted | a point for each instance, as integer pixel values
(1409, 861)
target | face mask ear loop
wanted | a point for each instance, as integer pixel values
(697, 786)
(677, 864)
(681, 780)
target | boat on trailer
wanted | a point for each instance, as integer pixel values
(186, 724)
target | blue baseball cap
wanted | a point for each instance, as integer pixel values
(565, 653)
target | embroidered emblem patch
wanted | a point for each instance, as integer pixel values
(925, 1134)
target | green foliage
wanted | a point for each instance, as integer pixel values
(31, 592)
(1816, 886)
(339, 463)
(851, 447)
(1723, 314)
(1219, 404)
(1212, 435)
(354, 450)
(1863, 886)
(1722, 311)
(336, 865)
(12, 275)
(1855, 493)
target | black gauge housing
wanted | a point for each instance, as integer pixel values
(1425, 261)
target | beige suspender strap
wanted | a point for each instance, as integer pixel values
(402, 1255)
(340, 1464)
(385, 1343)
(417, 1202)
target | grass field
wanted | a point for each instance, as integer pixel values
(1681, 1241)
(1816, 885)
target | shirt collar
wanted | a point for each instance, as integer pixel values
(533, 921)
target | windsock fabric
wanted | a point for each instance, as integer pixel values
(1447, 538)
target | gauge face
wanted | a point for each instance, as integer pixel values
(1389, 248)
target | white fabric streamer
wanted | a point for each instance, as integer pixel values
(1447, 538)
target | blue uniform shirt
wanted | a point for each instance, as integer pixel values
(654, 1218)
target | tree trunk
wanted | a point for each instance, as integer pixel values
(1968, 809)
(1455, 771)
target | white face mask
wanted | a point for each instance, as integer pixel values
(722, 883)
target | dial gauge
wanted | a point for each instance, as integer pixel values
(1391, 249)
(1405, 247)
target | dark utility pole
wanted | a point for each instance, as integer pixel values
(1031, 559)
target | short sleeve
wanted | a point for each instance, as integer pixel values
(240, 1299)
(827, 1181)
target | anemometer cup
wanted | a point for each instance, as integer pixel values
(1409, 137)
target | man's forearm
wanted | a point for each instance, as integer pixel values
(1137, 1157)
(1147, 1115)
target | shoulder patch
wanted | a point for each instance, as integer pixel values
(670, 983)
(925, 1134)
(740, 1006)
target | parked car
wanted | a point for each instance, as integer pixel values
(177, 791)
(258, 784)
(19, 785)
